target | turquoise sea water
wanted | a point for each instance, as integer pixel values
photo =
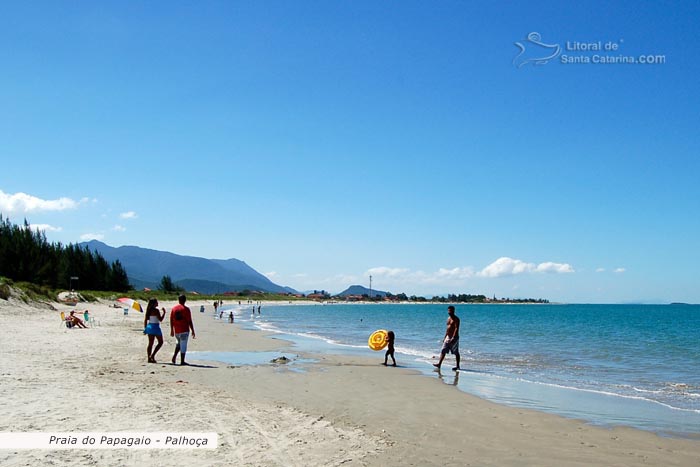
(635, 365)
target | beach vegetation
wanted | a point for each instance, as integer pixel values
(4, 289)
(465, 298)
(163, 296)
(35, 292)
(87, 297)
(24, 291)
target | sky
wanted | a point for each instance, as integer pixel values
(439, 147)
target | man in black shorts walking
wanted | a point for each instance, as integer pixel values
(451, 341)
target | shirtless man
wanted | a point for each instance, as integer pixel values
(451, 341)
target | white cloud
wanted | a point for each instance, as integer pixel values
(557, 268)
(506, 267)
(620, 270)
(600, 270)
(343, 279)
(305, 281)
(387, 272)
(45, 228)
(119, 228)
(510, 267)
(91, 236)
(270, 275)
(455, 273)
(399, 279)
(393, 277)
(24, 203)
(457, 276)
(128, 215)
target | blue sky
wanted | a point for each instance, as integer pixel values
(323, 142)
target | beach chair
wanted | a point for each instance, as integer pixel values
(65, 323)
(89, 320)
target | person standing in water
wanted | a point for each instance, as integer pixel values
(451, 341)
(390, 351)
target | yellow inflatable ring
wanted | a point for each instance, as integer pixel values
(378, 340)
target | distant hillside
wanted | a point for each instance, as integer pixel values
(360, 290)
(146, 268)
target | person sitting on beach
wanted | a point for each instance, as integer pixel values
(151, 324)
(75, 321)
(390, 350)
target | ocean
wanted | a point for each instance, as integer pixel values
(631, 365)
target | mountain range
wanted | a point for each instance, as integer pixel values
(146, 268)
(361, 290)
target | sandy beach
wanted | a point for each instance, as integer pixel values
(333, 410)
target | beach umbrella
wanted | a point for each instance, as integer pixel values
(132, 304)
(378, 340)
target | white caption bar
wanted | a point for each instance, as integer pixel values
(109, 440)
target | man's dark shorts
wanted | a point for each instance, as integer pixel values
(450, 345)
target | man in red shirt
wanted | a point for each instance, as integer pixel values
(180, 325)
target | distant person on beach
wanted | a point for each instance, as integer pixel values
(75, 320)
(451, 341)
(180, 327)
(151, 324)
(230, 317)
(201, 309)
(259, 307)
(216, 306)
(390, 350)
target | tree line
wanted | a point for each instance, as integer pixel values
(26, 255)
(451, 298)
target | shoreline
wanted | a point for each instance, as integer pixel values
(595, 406)
(338, 410)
